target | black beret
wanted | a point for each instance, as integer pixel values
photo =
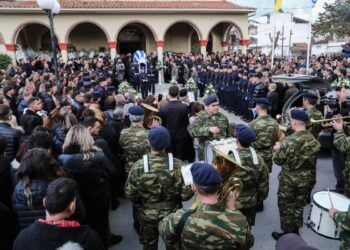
(205, 175)
(299, 115)
(96, 95)
(87, 85)
(210, 99)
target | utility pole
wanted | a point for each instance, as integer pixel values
(290, 43)
(282, 41)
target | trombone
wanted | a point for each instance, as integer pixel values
(329, 119)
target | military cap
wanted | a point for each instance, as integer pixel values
(101, 79)
(262, 100)
(210, 99)
(86, 74)
(245, 134)
(86, 79)
(159, 137)
(87, 85)
(205, 175)
(96, 95)
(136, 110)
(298, 114)
(310, 94)
(111, 88)
(292, 242)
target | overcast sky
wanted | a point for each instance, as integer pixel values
(300, 8)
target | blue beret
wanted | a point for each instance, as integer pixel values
(210, 99)
(96, 95)
(87, 85)
(136, 110)
(299, 115)
(262, 100)
(310, 94)
(159, 138)
(205, 175)
(245, 134)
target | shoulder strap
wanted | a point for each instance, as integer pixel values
(170, 161)
(236, 155)
(255, 157)
(180, 227)
(145, 164)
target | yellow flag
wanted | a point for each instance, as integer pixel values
(278, 5)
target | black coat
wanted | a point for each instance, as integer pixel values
(12, 139)
(43, 236)
(6, 186)
(34, 119)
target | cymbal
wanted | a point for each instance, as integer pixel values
(149, 107)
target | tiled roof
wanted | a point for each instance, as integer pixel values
(88, 4)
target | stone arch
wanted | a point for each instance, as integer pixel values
(227, 30)
(23, 25)
(78, 36)
(136, 35)
(192, 24)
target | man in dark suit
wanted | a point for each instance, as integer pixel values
(174, 116)
(272, 96)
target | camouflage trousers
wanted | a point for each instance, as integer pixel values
(346, 173)
(345, 241)
(250, 214)
(291, 202)
(149, 234)
(266, 154)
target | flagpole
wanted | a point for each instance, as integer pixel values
(273, 47)
(309, 43)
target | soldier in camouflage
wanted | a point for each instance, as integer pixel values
(254, 175)
(155, 186)
(310, 98)
(209, 125)
(297, 156)
(211, 225)
(342, 142)
(133, 140)
(266, 130)
(343, 220)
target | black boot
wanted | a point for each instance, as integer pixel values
(277, 235)
(260, 208)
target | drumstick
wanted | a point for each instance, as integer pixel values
(330, 198)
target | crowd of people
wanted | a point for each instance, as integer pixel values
(71, 147)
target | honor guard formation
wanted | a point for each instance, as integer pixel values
(70, 152)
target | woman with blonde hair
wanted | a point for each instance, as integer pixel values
(91, 169)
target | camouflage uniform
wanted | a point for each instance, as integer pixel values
(134, 141)
(156, 192)
(315, 128)
(343, 219)
(209, 227)
(297, 157)
(342, 143)
(266, 130)
(254, 179)
(200, 129)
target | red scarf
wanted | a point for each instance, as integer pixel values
(61, 223)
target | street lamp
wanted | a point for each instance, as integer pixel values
(52, 7)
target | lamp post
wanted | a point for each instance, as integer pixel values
(52, 7)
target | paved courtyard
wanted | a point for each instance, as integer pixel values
(266, 222)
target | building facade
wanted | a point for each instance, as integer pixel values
(124, 26)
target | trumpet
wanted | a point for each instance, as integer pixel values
(149, 115)
(329, 119)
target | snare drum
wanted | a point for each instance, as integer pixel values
(319, 219)
(224, 146)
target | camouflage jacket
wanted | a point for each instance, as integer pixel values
(266, 131)
(134, 142)
(341, 141)
(343, 220)
(200, 128)
(209, 227)
(297, 157)
(159, 191)
(255, 179)
(315, 128)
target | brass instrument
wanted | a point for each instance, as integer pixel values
(233, 184)
(149, 115)
(329, 119)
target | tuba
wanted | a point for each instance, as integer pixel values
(150, 115)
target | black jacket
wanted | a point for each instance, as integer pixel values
(12, 139)
(48, 103)
(43, 236)
(6, 186)
(32, 117)
(174, 115)
(58, 136)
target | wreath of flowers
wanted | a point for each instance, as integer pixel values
(341, 82)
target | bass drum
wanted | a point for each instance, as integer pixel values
(319, 220)
(224, 146)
